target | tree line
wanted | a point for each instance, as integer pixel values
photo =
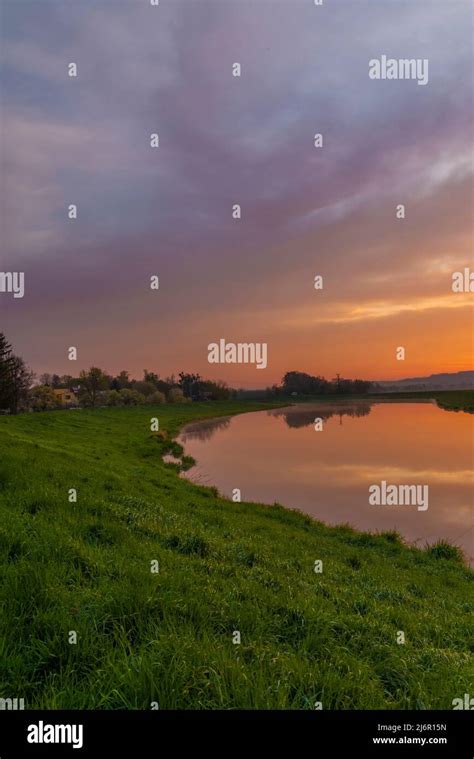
(95, 387)
(300, 383)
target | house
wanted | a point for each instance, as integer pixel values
(66, 397)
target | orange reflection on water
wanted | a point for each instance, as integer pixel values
(277, 456)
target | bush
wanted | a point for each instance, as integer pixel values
(130, 397)
(124, 397)
(112, 398)
(156, 397)
(143, 387)
(176, 395)
(42, 398)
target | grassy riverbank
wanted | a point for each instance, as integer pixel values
(166, 637)
(453, 400)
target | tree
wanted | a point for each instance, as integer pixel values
(300, 383)
(120, 381)
(15, 378)
(150, 377)
(337, 381)
(21, 380)
(91, 383)
(46, 380)
(216, 391)
(66, 381)
(163, 387)
(360, 387)
(6, 360)
(303, 384)
(189, 384)
(144, 387)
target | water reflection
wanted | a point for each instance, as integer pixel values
(294, 416)
(277, 456)
(204, 429)
(303, 416)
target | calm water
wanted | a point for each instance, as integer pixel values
(277, 456)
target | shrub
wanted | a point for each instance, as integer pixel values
(156, 397)
(112, 398)
(130, 397)
(42, 398)
(176, 395)
(143, 387)
(124, 397)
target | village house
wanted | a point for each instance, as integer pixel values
(66, 397)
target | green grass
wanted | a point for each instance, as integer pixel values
(167, 637)
(452, 400)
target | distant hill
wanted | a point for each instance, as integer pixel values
(446, 381)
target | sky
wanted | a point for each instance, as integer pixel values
(248, 140)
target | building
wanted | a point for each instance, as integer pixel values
(66, 397)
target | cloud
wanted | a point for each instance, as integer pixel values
(225, 141)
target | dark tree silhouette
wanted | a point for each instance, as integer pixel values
(15, 378)
(91, 383)
(190, 384)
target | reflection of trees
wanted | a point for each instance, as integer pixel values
(294, 417)
(205, 429)
(304, 417)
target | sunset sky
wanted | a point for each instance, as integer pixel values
(226, 140)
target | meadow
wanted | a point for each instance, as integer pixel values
(166, 638)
